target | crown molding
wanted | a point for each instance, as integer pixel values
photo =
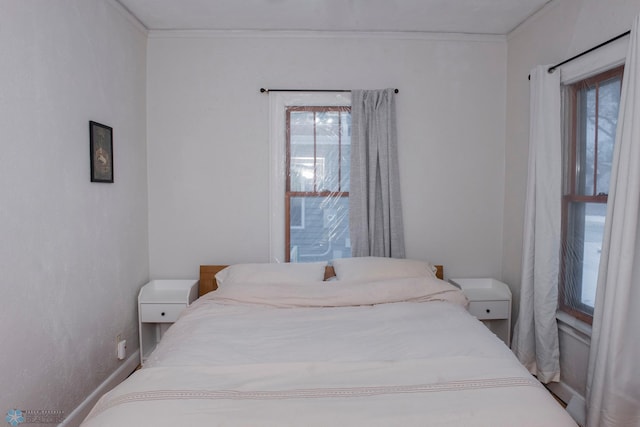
(392, 35)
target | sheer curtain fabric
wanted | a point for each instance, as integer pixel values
(375, 211)
(613, 384)
(535, 340)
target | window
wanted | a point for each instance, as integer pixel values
(590, 136)
(318, 155)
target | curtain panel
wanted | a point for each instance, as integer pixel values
(613, 383)
(375, 211)
(535, 340)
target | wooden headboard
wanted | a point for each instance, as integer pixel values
(208, 276)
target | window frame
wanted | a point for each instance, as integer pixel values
(288, 193)
(278, 102)
(570, 300)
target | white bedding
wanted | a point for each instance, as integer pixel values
(264, 357)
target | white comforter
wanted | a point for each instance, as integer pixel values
(331, 354)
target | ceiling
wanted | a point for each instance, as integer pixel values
(442, 16)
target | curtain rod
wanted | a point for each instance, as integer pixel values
(559, 64)
(263, 90)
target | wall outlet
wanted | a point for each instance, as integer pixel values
(118, 339)
(122, 349)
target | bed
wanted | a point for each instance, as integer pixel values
(363, 343)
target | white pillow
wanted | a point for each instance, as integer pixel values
(380, 268)
(272, 273)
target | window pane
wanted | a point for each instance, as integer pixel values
(302, 173)
(587, 147)
(324, 233)
(598, 119)
(301, 123)
(608, 104)
(302, 165)
(296, 218)
(595, 214)
(328, 148)
(582, 251)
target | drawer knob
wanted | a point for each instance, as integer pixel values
(488, 311)
(162, 314)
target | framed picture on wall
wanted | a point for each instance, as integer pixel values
(101, 151)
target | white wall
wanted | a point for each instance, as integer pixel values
(562, 29)
(208, 147)
(73, 253)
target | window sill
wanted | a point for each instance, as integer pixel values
(570, 324)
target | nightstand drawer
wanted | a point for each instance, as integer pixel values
(160, 303)
(160, 313)
(485, 310)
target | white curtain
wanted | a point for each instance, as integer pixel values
(535, 340)
(613, 384)
(375, 209)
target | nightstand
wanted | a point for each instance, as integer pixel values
(160, 302)
(489, 302)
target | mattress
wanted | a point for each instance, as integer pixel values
(388, 353)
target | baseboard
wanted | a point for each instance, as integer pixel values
(576, 406)
(80, 413)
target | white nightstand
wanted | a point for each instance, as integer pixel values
(490, 302)
(160, 302)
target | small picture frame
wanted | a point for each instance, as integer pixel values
(101, 152)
